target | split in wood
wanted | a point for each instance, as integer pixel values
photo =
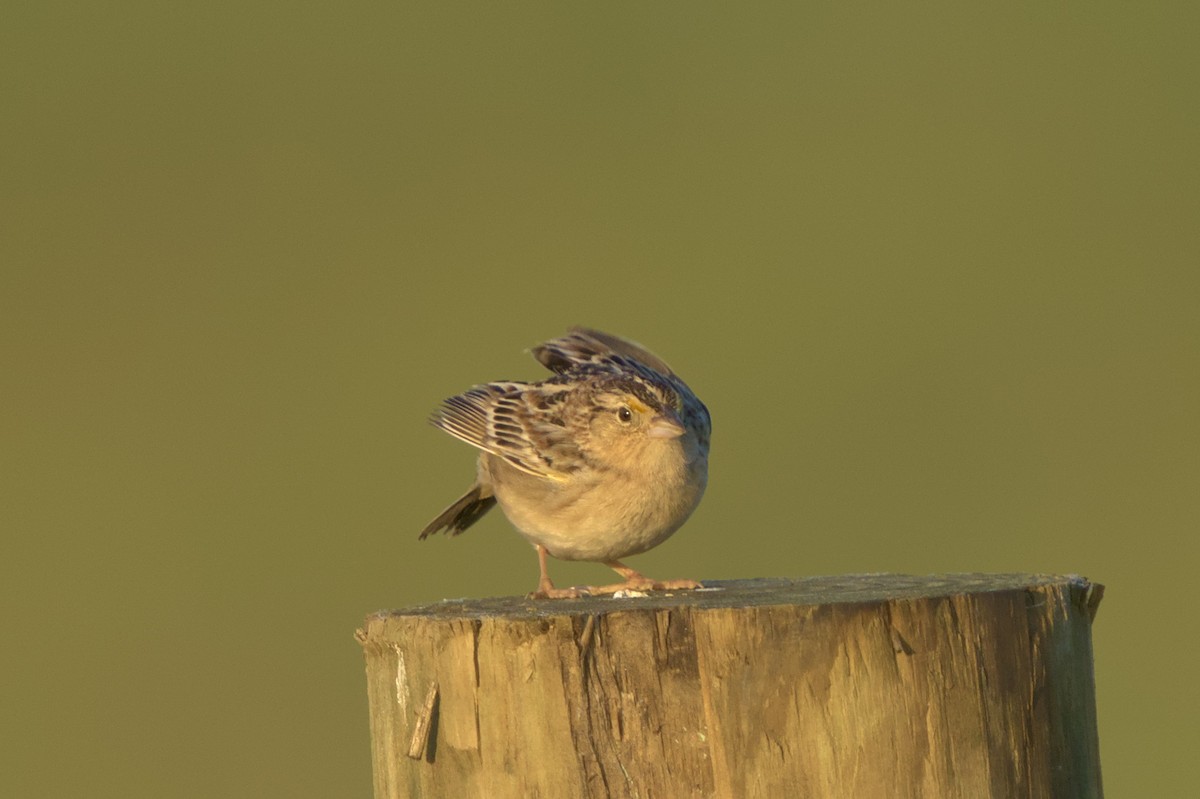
(585, 638)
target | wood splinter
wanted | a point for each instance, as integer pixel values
(420, 736)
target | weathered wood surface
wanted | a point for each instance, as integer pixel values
(857, 686)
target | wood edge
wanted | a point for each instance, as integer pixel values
(806, 591)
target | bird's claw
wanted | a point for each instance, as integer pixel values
(643, 584)
(550, 592)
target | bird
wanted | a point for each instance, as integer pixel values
(604, 459)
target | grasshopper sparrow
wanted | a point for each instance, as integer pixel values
(604, 459)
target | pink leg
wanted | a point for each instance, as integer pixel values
(546, 589)
(636, 581)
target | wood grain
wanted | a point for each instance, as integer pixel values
(856, 686)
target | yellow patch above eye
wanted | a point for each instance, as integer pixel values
(637, 405)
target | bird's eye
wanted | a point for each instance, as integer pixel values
(624, 414)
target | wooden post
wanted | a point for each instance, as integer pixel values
(858, 686)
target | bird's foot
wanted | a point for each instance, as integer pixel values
(644, 584)
(548, 591)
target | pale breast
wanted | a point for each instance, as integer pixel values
(594, 519)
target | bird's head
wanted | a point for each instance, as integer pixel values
(628, 414)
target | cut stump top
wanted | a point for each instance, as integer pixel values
(762, 592)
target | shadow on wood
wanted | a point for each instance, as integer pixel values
(858, 686)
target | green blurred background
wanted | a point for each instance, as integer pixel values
(933, 269)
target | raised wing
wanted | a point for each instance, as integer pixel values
(583, 345)
(515, 421)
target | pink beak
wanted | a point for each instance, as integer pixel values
(665, 425)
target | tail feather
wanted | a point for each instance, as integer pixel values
(462, 513)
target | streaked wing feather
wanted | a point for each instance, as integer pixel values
(497, 418)
(583, 345)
